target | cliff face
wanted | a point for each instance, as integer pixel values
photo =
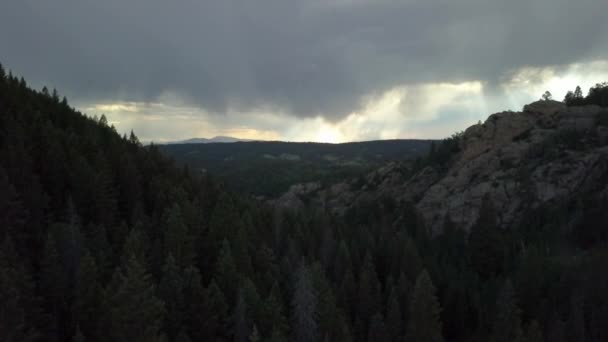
(518, 160)
(548, 152)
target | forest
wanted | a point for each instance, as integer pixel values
(104, 239)
(269, 168)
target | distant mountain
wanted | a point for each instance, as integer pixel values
(216, 139)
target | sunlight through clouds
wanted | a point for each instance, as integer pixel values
(429, 110)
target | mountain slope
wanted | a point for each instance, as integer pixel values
(548, 154)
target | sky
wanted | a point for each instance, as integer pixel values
(304, 70)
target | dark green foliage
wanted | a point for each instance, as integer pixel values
(424, 312)
(597, 95)
(269, 168)
(486, 244)
(304, 307)
(132, 309)
(507, 324)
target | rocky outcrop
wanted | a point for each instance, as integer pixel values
(517, 160)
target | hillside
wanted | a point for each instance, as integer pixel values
(269, 168)
(103, 239)
(548, 157)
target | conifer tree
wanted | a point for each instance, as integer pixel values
(218, 309)
(240, 318)
(273, 318)
(533, 333)
(485, 242)
(576, 321)
(304, 307)
(507, 324)
(134, 312)
(394, 319)
(170, 292)
(87, 304)
(226, 271)
(178, 242)
(424, 314)
(369, 296)
(377, 331)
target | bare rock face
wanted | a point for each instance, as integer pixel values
(517, 160)
(499, 160)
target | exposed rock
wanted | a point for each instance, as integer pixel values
(518, 160)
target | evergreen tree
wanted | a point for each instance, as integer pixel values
(394, 319)
(377, 331)
(87, 304)
(273, 318)
(226, 271)
(51, 278)
(178, 242)
(304, 307)
(424, 315)
(16, 294)
(134, 312)
(218, 309)
(533, 333)
(78, 336)
(240, 319)
(576, 321)
(486, 246)
(369, 296)
(170, 292)
(507, 324)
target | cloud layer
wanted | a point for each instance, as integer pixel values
(307, 60)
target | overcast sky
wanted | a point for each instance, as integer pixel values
(304, 70)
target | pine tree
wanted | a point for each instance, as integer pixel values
(240, 319)
(328, 314)
(52, 280)
(16, 289)
(377, 331)
(87, 304)
(273, 314)
(507, 324)
(177, 238)
(424, 314)
(576, 321)
(226, 271)
(255, 335)
(486, 245)
(304, 307)
(134, 312)
(135, 245)
(369, 296)
(170, 292)
(218, 309)
(394, 319)
(533, 333)
(196, 312)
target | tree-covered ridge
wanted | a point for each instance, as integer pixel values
(269, 168)
(597, 95)
(104, 239)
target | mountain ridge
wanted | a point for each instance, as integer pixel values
(547, 153)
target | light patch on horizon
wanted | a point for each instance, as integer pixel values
(423, 111)
(528, 84)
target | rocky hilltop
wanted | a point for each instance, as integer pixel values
(547, 153)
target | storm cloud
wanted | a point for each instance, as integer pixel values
(305, 58)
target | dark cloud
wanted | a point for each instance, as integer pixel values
(306, 57)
